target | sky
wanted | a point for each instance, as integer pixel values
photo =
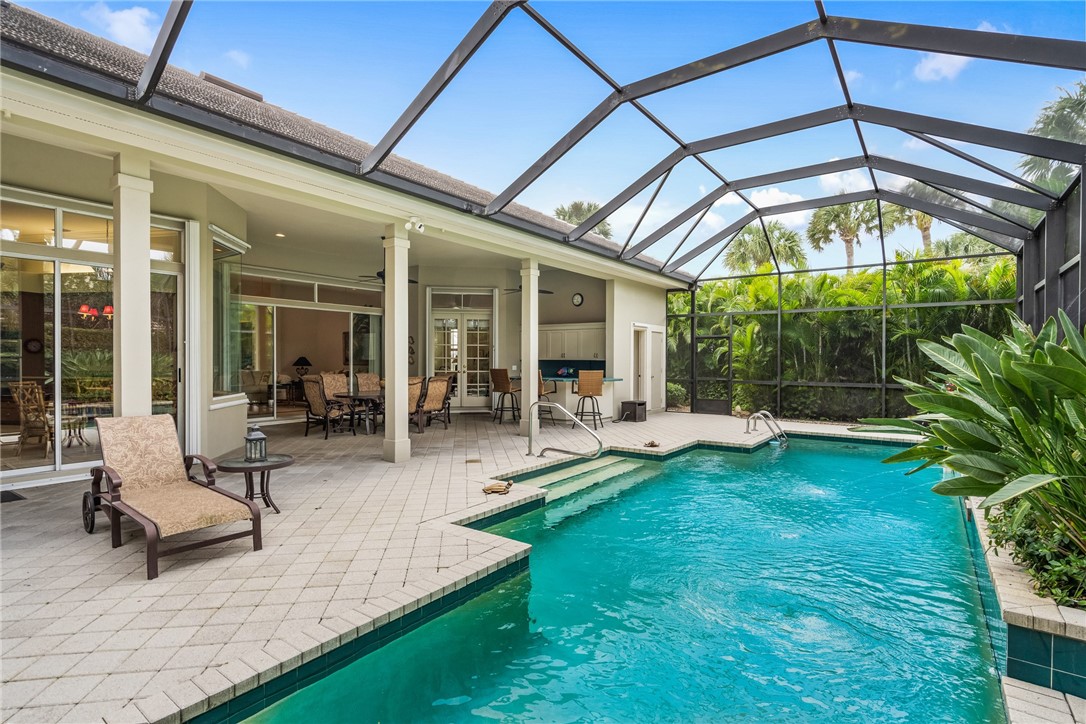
(356, 66)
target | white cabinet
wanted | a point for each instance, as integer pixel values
(572, 341)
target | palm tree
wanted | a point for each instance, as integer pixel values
(847, 222)
(1063, 119)
(748, 250)
(578, 211)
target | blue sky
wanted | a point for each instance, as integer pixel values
(356, 65)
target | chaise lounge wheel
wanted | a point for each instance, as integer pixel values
(89, 505)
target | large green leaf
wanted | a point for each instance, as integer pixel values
(880, 424)
(1017, 487)
(947, 404)
(1076, 339)
(979, 351)
(965, 486)
(1064, 381)
(923, 451)
(945, 357)
(981, 466)
(972, 435)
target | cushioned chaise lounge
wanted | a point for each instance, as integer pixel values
(147, 478)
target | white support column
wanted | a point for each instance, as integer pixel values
(131, 285)
(529, 345)
(397, 443)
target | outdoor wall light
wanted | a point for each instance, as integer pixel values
(416, 224)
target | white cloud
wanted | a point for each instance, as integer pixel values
(852, 76)
(939, 66)
(844, 182)
(775, 197)
(135, 27)
(239, 57)
(915, 144)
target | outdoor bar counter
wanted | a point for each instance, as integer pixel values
(567, 397)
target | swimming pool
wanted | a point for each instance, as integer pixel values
(807, 584)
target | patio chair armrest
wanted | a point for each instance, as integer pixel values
(209, 469)
(113, 480)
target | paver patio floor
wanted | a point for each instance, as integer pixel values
(85, 636)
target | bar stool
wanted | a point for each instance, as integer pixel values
(507, 395)
(543, 397)
(589, 387)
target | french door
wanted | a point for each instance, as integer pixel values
(462, 344)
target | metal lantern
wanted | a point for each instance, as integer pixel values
(256, 445)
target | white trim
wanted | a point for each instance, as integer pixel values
(298, 276)
(65, 203)
(193, 341)
(235, 400)
(228, 240)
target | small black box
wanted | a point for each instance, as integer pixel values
(633, 411)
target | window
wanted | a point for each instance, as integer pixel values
(226, 313)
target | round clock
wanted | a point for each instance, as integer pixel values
(33, 346)
(578, 299)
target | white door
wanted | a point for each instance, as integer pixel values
(656, 346)
(462, 343)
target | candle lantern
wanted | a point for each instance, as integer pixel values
(256, 445)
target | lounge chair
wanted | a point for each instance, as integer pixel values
(149, 480)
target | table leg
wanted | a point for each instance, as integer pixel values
(265, 489)
(249, 486)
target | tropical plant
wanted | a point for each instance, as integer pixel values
(848, 222)
(578, 211)
(1009, 417)
(1063, 119)
(748, 250)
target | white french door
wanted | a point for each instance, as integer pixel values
(462, 342)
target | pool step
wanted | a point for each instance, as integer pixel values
(573, 505)
(601, 474)
(572, 471)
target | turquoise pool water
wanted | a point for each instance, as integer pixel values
(810, 584)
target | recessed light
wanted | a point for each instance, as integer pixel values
(281, 236)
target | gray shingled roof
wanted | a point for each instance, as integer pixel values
(72, 45)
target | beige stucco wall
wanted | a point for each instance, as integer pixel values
(49, 169)
(629, 303)
(558, 308)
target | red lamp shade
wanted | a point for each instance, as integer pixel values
(108, 311)
(94, 312)
(84, 308)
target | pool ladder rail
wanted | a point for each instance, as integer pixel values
(576, 422)
(771, 423)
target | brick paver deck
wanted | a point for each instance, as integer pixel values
(85, 636)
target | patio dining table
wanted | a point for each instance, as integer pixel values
(368, 401)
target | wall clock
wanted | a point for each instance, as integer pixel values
(578, 299)
(33, 346)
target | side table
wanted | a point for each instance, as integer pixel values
(264, 467)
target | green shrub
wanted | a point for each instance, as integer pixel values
(1009, 416)
(677, 395)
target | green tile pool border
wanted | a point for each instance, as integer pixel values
(528, 475)
(504, 515)
(253, 701)
(1046, 659)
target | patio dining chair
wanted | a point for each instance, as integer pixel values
(415, 399)
(34, 418)
(319, 409)
(148, 479)
(436, 400)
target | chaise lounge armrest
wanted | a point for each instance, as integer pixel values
(209, 469)
(113, 481)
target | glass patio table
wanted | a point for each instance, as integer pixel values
(264, 467)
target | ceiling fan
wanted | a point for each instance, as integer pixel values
(519, 289)
(380, 277)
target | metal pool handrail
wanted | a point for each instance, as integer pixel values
(774, 427)
(567, 413)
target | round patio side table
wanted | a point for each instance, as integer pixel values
(264, 467)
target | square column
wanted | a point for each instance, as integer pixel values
(131, 285)
(397, 446)
(529, 345)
